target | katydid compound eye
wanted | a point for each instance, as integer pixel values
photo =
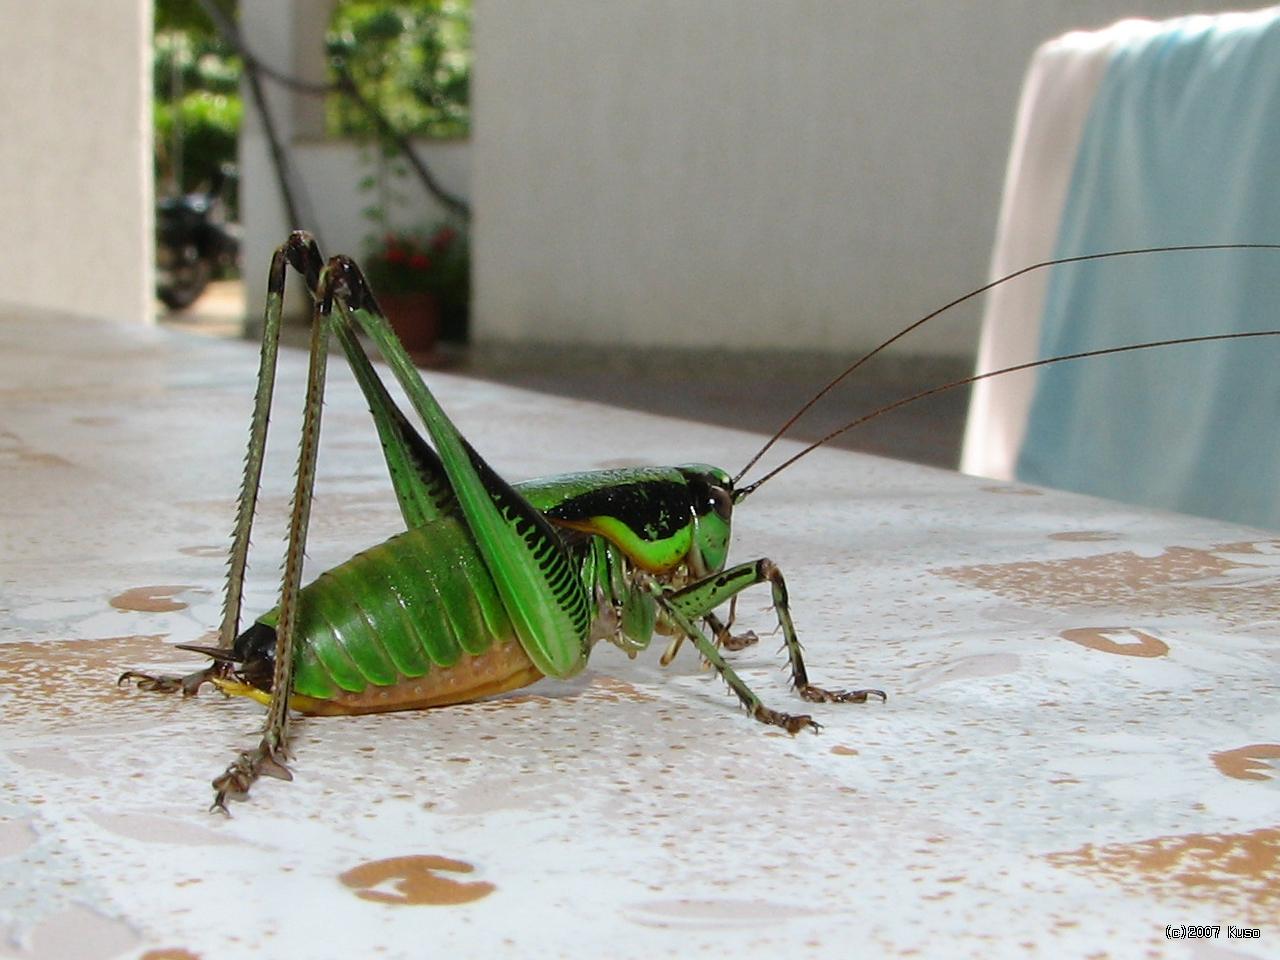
(722, 502)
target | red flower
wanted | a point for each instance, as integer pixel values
(444, 236)
(419, 261)
(396, 255)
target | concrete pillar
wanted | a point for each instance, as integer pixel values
(78, 202)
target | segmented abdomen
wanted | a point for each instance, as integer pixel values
(412, 622)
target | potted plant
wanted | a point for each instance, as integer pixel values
(420, 278)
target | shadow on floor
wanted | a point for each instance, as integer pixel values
(742, 390)
(751, 391)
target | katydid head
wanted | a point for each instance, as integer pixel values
(711, 494)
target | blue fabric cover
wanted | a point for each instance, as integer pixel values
(1182, 146)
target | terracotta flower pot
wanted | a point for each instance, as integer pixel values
(415, 318)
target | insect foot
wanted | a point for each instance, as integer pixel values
(725, 637)
(792, 723)
(736, 641)
(815, 694)
(235, 781)
(170, 683)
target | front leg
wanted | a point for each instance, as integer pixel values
(699, 599)
(674, 614)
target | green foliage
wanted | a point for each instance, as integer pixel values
(197, 107)
(412, 59)
(186, 15)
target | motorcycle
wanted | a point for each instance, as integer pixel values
(194, 243)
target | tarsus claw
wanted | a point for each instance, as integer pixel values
(170, 683)
(235, 781)
(815, 694)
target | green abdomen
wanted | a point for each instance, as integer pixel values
(414, 621)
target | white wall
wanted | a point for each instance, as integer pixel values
(746, 172)
(77, 203)
(329, 172)
(755, 173)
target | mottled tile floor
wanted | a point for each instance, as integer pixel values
(1078, 751)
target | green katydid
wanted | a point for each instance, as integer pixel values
(492, 586)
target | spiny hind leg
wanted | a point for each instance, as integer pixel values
(267, 757)
(698, 599)
(548, 608)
